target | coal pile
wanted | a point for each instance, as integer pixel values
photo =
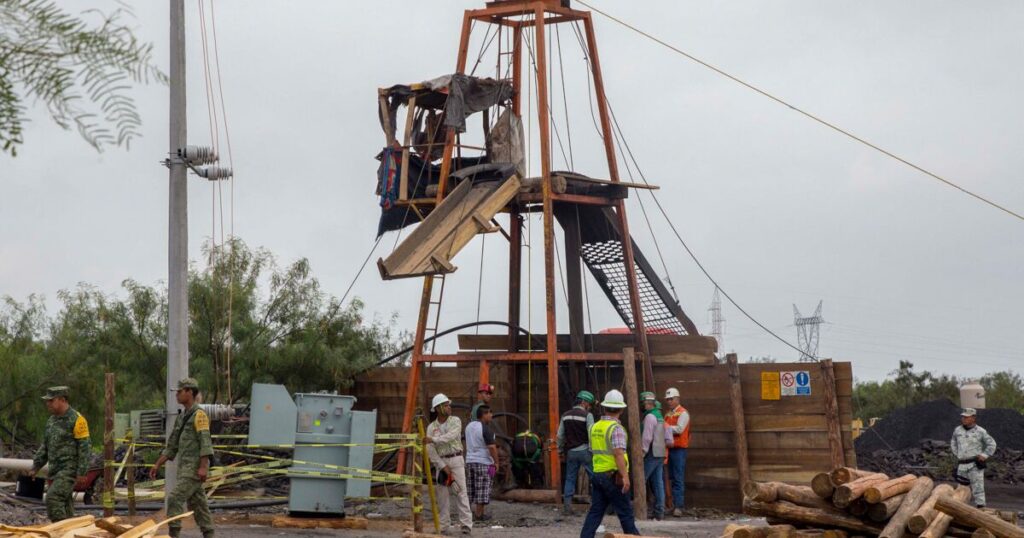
(933, 459)
(905, 428)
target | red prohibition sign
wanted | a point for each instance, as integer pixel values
(788, 380)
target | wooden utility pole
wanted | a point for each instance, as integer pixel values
(636, 453)
(739, 420)
(177, 251)
(108, 447)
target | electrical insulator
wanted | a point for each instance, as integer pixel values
(196, 155)
(214, 172)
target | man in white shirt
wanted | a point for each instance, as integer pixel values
(444, 447)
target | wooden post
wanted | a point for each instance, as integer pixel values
(940, 523)
(835, 432)
(429, 474)
(108, 447)
(926, 513)
(738, 420)
(890, 488)
(636, 454)
(130, 471)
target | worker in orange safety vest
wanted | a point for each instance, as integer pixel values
(677, 420)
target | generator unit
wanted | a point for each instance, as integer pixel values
(309, 421)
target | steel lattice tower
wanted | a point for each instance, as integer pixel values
(717, 322)
(807, 333)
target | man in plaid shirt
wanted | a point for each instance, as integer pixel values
(481, 461)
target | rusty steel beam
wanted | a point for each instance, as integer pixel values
(640, 330)
(414, 368)
(449, 138)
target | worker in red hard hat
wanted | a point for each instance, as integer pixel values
(484, 392)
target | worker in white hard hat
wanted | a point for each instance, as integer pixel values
(677, 421)
(609, 485)
(444, 446)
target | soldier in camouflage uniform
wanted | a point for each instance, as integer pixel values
(66, 448)
(972, 445)
(190, 442)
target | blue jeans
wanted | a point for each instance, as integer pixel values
(604, 492)
(677, 473)
(653, 469)
(574, 459)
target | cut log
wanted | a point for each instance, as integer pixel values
(822, 485)
(288, 522)
(884, 510)
(859, 507)
(836, 533)
(940, 523)
(829, 517)
(845, 475)
(534, 184)
(765, 492)
(58, 528)
(982, 533)
(890, 488)
(809, 533)
(750, 531)
(774, 491)
(913, 500)
(754, 531)
(926, 513)
(851, 491)
(1005, 515)
(969, 515)
(530, 496)
(141, 529)
(730, 529)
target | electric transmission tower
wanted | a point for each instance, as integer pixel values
(717, 322)
(807, 333)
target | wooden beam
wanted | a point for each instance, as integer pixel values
(835, 438)
(897, 525)
(739, 422)
(636, 454)
(940, 524)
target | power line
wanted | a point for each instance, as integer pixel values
(809, 115)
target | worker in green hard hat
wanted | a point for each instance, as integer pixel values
(574, 445)
(653, 442)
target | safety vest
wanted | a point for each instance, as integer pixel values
(679, 440)
(600, 446)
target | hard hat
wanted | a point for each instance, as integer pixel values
(672, 393)
(613, 400)
(485, 387)
(586, 396)
(644, 396)
(438, 400)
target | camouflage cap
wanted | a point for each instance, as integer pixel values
(56, 392)
(187, 383)
(969, 412)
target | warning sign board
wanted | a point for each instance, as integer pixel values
(770, 389)
(797, 383)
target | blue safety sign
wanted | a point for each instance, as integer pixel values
(803, 384)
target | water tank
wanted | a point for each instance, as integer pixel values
(972, 394)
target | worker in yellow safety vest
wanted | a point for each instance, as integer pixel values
(610, 483)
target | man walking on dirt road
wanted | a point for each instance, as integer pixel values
(972, 446)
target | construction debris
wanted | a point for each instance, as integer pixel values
(871, 504)
(88, 526)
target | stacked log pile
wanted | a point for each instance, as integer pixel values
(852, 502)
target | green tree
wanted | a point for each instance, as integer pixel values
(284, 329)
(80, 68)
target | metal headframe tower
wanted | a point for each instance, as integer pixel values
(717, 322)
(807, 333)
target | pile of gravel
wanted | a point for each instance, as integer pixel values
(906, 428)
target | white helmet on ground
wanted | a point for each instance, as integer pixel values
(438, 400)
(613, 400)
(672, 393)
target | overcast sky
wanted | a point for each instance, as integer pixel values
(780, 210)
